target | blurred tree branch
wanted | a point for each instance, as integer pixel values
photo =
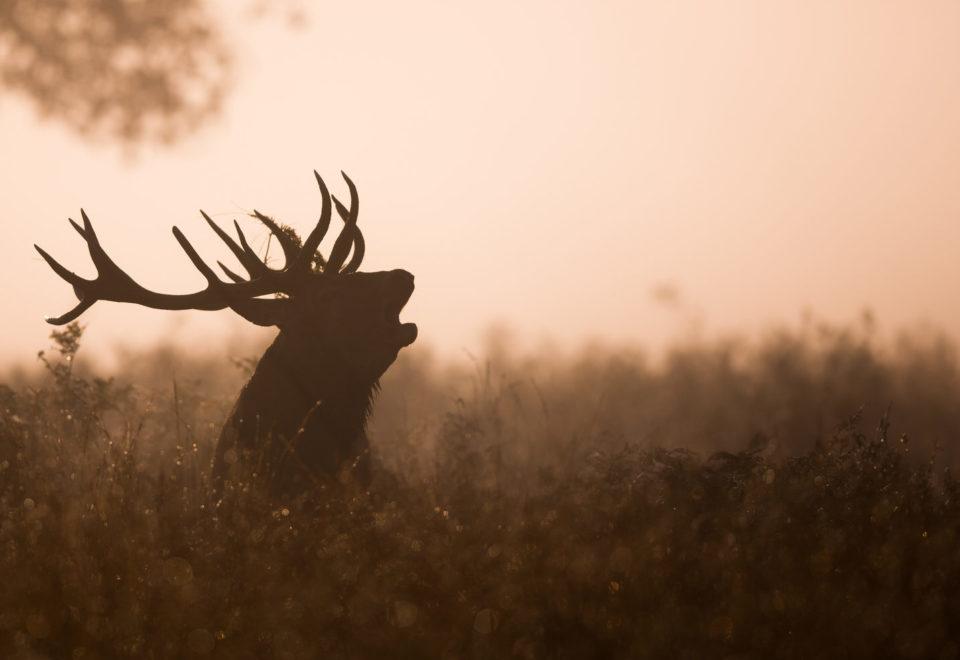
(130, 70)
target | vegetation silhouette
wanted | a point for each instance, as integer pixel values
(122, 69)
(506, 523)
(301, 417)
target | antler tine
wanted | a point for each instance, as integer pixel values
(359, 248)
(291, 250)
(108, 271)
(97, 253)
(359, 245)
(68, 275)
(248, 259)
(78, 228)
(323, 224)
(72, 315)
(260, 268)
(346, 238)
(229, 273)
(212, 280)
(88, 232)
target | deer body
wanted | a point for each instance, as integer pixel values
(302, 415)
(308, 427)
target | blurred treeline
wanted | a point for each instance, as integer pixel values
(123, 70)
(786, 390)
(783, 498)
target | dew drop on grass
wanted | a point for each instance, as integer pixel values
(486, 621)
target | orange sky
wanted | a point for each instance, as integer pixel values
(544, 164)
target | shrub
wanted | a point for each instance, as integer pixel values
(504, 521)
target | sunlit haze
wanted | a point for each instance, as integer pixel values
(550, 166)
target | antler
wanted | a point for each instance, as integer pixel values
(113, 284)
(299, 259)
(350, 234)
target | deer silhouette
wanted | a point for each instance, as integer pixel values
(301, 418)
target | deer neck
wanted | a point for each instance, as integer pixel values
(285, 388)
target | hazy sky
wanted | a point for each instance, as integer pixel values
(544, 164)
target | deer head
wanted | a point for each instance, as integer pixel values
(331, 317)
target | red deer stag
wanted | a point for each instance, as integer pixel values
(303, 413)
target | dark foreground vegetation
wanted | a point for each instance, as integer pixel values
(533, 508)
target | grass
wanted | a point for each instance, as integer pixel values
(729, 502)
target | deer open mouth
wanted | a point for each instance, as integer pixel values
(402, 334)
